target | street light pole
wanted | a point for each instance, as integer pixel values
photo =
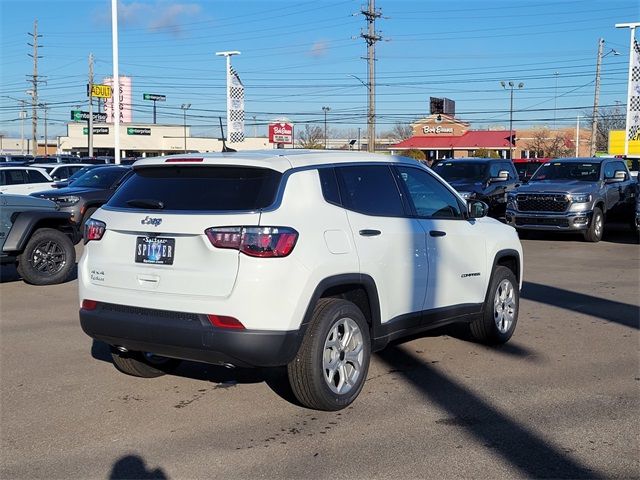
(596, 97)
(185, 107)
(511, 135)
(325, 110)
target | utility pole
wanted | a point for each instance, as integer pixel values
(596, 98)
(578, 136)
(34, 86)
(371, 37)
(46, 140)
(90, 119)
(325, 110)
(23, 115)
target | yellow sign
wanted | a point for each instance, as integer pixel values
(101, 91)
(616, 144)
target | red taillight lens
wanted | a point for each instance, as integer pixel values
(94, 230)
(263, 242)
(226, 237)
(221, 321)
(89, 304)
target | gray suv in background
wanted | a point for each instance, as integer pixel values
(573, 195)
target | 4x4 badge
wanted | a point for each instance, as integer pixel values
(151, 221)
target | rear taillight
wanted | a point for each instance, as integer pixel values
(264, 242)
(93, 230)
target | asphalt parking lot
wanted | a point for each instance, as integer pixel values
(561, 400)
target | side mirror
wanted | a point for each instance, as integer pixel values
(618, 176)
(503, 176)
(477, 209)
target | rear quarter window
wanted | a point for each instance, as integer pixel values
(199, 188)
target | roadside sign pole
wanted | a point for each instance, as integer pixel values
(631, 81)
(90, 119)
(116, 80)
(154, 112)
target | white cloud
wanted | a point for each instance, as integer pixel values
(319, 49)
(158, 15)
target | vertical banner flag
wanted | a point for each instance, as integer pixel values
(235, 106)
(633, 102)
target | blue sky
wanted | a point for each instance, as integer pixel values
(300, 56)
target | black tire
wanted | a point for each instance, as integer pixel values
(87, 215)
(310, 381)
(491, 327)
(48, 258)
(139, 364)
(596, 226)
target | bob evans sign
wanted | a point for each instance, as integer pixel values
(280, 133)
(436, 130)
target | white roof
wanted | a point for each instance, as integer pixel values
(279, 160)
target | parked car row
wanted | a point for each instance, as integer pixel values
(564, 194)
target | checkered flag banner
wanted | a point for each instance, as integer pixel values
(633, 102)
(235, 107)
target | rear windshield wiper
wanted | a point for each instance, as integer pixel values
(146, 203)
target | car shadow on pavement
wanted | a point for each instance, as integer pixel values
(275, 378)
(460, 331)
(609, 310)
(134, 467)
(613, 233)
(530, 453)
(9, 273)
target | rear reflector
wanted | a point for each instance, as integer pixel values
(89, 304)
(263, 242)
(221, 321)
(183, 160)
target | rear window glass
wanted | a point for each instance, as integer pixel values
(199, 188)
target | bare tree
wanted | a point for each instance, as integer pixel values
(311, 137)
(545, 143)
(399, 132)
(609, 118)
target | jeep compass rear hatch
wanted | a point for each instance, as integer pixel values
(157, 233)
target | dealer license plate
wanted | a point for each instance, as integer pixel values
(155, 250)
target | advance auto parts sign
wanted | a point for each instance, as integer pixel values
(138, 131)
(280, 133)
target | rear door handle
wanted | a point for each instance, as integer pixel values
(369, 233)
(437, 233)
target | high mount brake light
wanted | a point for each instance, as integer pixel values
(183, 160)
(263, 242)
(94, 230)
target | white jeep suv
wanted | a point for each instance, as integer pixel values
(309, 259)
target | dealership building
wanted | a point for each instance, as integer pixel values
(145, 140)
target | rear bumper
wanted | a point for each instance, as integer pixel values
(569, 222)
(188, 336)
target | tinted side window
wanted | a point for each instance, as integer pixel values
(494, 168)
(329, 184)
(370, 189)
(609, 170)
(618, 165)
(430, 198)
(35, 176)
(16, 177)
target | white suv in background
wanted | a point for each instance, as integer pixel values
(21, 180)
(309, 259)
